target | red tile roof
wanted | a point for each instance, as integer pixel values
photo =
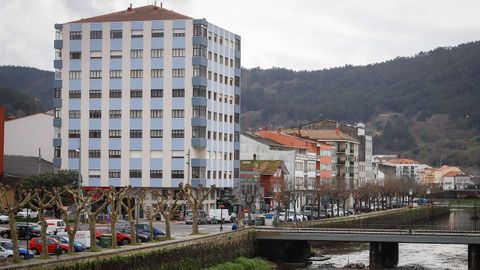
(403, 161)
(450, 174)
(145, 13)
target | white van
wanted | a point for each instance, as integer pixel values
(220, 214)
(54, 226)
(80, 237)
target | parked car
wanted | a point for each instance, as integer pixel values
(36, 245)
(145, 228)
(4, 219)
(54, 225)
(5, 253)
(212, 220)
(24, 253)
(25, 212)
(122, 238)
(141, 236)
(202, 217)
(79, 247)
(24, 231)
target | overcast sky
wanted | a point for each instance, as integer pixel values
(296, 34)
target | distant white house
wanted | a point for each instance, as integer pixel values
(25, 135)
(456, 180)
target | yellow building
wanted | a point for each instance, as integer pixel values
(434, 176)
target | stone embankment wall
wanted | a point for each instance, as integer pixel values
(195, 253)
(389, 219)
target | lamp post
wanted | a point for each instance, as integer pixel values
(410, 206)
(27, 232)
(221, 216)
(137, 213)
(78, 150)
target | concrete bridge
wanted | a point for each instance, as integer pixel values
(294, 243)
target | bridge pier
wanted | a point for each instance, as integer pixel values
(383, 255)
(293, 251)
(473, 257)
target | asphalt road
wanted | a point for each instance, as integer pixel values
(178, 229)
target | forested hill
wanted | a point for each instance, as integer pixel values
(442, 81)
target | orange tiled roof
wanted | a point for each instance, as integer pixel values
(403, 161)
(145, 13)
(450, 174)
(317, 134)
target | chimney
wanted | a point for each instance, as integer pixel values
(161, 4)
(130, 7)
(337, 130)
(2, 136)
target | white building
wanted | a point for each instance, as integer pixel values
(456, 180)
(24, 136)
(365, 166)
(397, 168)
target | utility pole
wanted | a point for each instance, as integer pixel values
(39, 160)
(188, 166)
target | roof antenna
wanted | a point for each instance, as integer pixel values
(130, 7)
(161, 4)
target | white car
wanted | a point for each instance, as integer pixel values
(27, 213)
(4, 219)
(5, 253)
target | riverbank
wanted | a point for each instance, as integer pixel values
(243, 263)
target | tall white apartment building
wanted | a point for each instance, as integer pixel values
(142, 93)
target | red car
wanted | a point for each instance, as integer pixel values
(36, 245)
(122, 238)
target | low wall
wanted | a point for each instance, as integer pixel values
(394, 218)
(196, 253)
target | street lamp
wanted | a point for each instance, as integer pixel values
(78, 150)
(410, 206)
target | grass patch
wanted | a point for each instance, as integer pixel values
(472, 202)
(243, 263)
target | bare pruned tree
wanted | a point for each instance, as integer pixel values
(11, 206)
(98, 202)
(195, 197)
(115, 196)
(40, 201)
(128, 203)
(167, 206)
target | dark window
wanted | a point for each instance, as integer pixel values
(200, 30)
(73, 154)
(177, 174)
(115, 93)
(95, 34)
(237, 44)
(237, 100)
(115, 133)
(156, 133)
(95, 114)
(199, 132)
(237, 81)
(114, 153)
(95, 133)
(156, 174)
(95, 93)
(137, 33)
(237, 118)
(75, 94)
(157, 32)
(178, 34)
(95, 74)
(136, 173)
(114, 174)
(94, 153)
(198, 172)
(156, 113)
(178, 113)
(57, 151)
(136, 93)
(75, 55)
(57, 92)
(199, 91)
(74, 133)
(178, 93)
(115, 33)
(75, 35)
(156, 93)
(115, 113)
(199, 50)
(199, 71)
(178, 133)
(135, 133)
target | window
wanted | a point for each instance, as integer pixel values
(237, 118)
(115, 93)
(57, 152)
(115, 54)
(214, 135)
(215, 57)
(157, 53)
(115, 33)
(136, 93)
(237, 44)
(237, 100)
(209, 115)
(74, 114)
(198, 172)
(215, 38)
(178, 92)
(156, 133)
(115, 113)
(75, 94)
(156, 93)
(135, 133)
(237, 81)
(75, 74)
(75, 55)
(114, 153)
(114, 133)
(214, 96)
(157, 73)
(178, 72)
(178, 133)
(209, 55)
(95, 74)
(96, 54)
(135, 173)
(94, 133)
(137, 33)
(136, 73)
(156, 174)
(95, 34)
(199, 71)
(75, 35)
(73, 154)
(95, 93)
(94, 153)
(178, 32)
(221, 59)
(136, 53)
(57, 112)
(157, 32)
(116, 73)
(135, 113)
(178, 52)
(199, 50)
(177, 174)
(113, 174)
(199, 111)
(178, 113)
(74, 133)
(215, 76)
(156, 113)
(221, 40)
(95, 114)
(57, 92)
(200, 30)
(215, 116)
(209, 134)
(199, 132)
(199, 91)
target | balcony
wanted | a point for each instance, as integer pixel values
(199, 142)
(57, 102)
(57, 122)
(57, 142)
(57, 63)
(57, 162)
(341, 150)
(199, 122)
(58, 44)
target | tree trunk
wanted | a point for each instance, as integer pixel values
(133, 229)
(14, 235)
(71, 232)
(194, 220)
(92, 225)
(168, 232)
(43, 227)
(150, 224)
(318, 211)
(113, 226)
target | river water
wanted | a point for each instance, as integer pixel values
(411, 256)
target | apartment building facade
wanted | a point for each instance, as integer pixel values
(147, 97)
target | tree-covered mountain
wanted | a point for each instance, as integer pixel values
(426, 107)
